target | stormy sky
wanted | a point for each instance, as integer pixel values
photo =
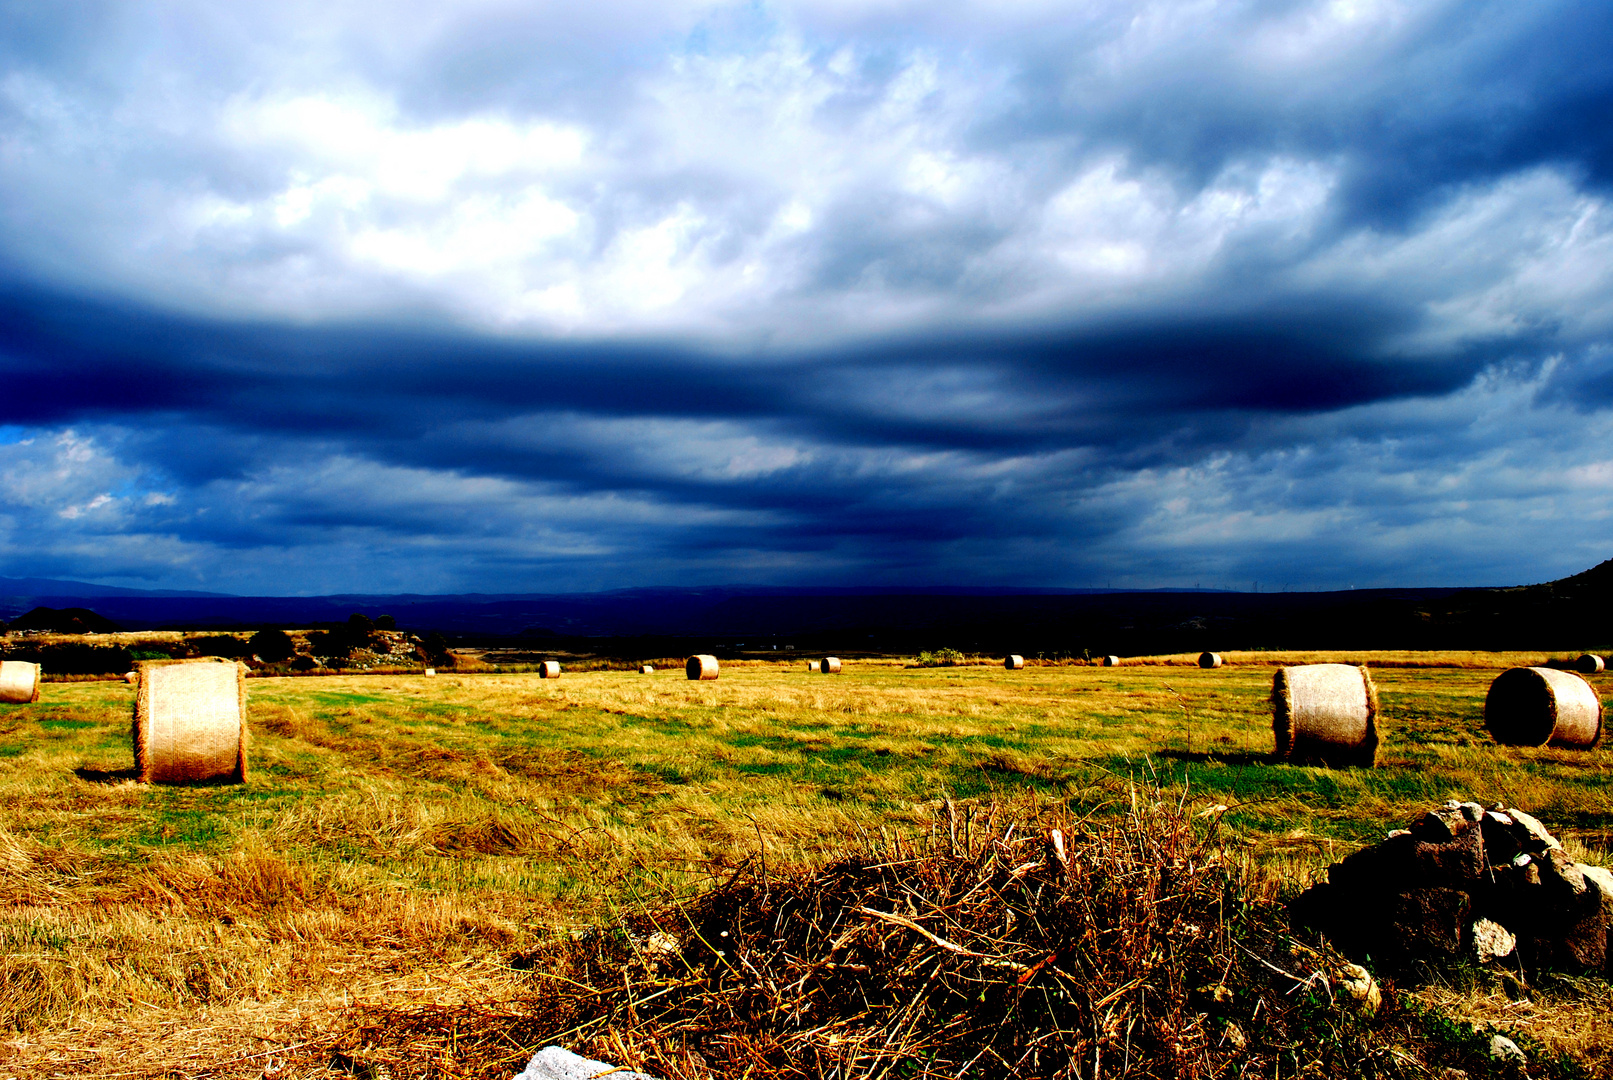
(342, 296)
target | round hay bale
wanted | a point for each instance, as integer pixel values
(131, 677)
(813, 665)
(829, 665)
(1209, 660)
(1111, 661)
(1536, 706)
(1590, 664)
(431, 673)
(1325, 713)
(1015, 662)
(549, 669)
(646, 669)
(701, 666)
(190, 721)
(19, 682)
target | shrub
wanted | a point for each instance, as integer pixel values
(330, 643)
(72, 658)
(226, 645)
(274, 646)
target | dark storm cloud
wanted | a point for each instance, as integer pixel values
(71, 361)
(341, 296)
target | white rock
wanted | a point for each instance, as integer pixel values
(558, 1063)
(661, 945)
(1360, 987)
(1602, 877)
(1504, 1049)
(1492, 941)
(1534, 828)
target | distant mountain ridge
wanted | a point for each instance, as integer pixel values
(28, 587)
(1564, 614)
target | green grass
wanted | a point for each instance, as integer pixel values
(397, 820)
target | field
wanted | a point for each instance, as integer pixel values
(407, 840)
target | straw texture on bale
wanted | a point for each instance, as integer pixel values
(1014, 662)
(1325, 713)
(190, 721)
(813, 665)
(646, 669)
(1590, 664)
(549, 669)
(701, 666)
(829, 665)
(1536, 706)
(1111, 661)
(19, 681)
(1209, 660)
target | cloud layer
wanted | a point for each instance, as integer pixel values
(303, 298)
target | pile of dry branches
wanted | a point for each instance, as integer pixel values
(1026, 942)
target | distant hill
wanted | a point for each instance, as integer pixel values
(26, 587)
(1569, 614)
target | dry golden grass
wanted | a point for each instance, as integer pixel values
(403, 839)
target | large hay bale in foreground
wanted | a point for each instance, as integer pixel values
(1111, 661)
(19, 682)
(829, 665)
(1590, 664)
(1534, 706)
(549, 669)
(1209, 660)
(1014, 662)
(1325, 713)
(701, 666)
(190, 721)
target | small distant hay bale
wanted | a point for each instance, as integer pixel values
(190, 721)
(549, 669)
(1111, 661)
(646, 669)
(701, 666)
(829, 665)
(431, 673)
(19, 682)
(1590, 664)
(131, 677)
(1209, 660)
(1014, 662)
(1537, 706)
(813, 665)
(1326, 714)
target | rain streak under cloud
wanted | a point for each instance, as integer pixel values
(511, 297)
